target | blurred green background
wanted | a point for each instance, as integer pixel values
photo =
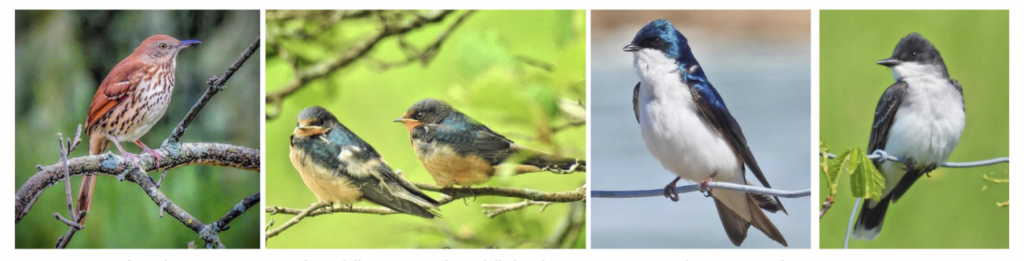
(950, 209)
(482, 69)
(62, 56)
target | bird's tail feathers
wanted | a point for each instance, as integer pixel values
(870, 219)
(736, 227)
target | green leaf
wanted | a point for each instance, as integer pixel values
(836, 166)
(865, 180)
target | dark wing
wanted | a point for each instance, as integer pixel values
(711, 105)
(636, 105)
(476, 140)
(885, 114)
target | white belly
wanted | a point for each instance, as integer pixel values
(927, 126)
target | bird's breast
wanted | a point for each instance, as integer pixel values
(928, 123)
(323, 181)
(679, 137)
(447, 167)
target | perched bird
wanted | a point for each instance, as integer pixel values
(688, 128)
(339, 167)
(919, 119)
(132, 99)
(456, 149)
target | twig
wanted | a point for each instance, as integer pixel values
(215, 85)
(428, 53)
(694, 187)
(295, 220)
(65, 149)
(825, 206)
(452, 194)
(493, 210)
(357, 51)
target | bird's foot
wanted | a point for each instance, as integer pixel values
(670, 190)
(154, 153)
(704, 188)
(134, 160)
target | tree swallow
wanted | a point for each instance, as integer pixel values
(339, 167)
(688, 128)
(456, 149)
(919, 119)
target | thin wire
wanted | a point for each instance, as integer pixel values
(694, 187)
(881, 154)
(849, 226)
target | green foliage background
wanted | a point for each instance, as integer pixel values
(479, 71)
(62, 56)
(950, 209)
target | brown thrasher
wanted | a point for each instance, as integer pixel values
(132, 99)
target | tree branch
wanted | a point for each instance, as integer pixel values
(305, 75)
(451, 194)
(424, 56)
(694, 187)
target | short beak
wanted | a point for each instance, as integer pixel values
(630, 48)
(889, 62)
(187, 43)
(402, 119)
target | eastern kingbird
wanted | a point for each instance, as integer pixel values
(688, 128)
(919, 119)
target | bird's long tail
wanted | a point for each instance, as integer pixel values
(536, 161)
(736, 227)
(89, 181)
(869, 221)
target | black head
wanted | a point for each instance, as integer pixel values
(425, 111)
(660, 35)
(914, 52)
(314, 120)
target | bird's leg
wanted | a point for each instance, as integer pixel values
(155, 154)
(134, 159)
(670, 190)
(704, 188)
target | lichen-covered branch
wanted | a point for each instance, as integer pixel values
(183, 154)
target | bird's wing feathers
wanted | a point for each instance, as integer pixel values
(713, 108)
(480, 141)
(119, 84)
(956, 84)
(885, 114)
(636, 104)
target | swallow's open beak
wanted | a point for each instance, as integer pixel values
(889, 62)
(630, 48)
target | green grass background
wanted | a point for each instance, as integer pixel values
(950, 209)
(478, 71)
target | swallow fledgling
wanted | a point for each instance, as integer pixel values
(457, 150)
(687, 127)
(339, 167)
(918, 119)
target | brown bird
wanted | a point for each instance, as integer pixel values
(132, 99)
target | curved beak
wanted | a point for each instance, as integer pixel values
(187, 43)
(889, 62)
(630, 48)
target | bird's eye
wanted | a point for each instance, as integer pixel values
(657, 42)
(913, 54)
(162, 46)
(318, 122)
(419, 115)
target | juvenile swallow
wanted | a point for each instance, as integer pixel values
(339, 167)
(455, 149)
(919, 119)
(687, 127)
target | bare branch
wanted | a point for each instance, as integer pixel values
(452, 194)
(493, 210)
(184, 154)
(303, 76)
(215, 85)
(428, 53)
